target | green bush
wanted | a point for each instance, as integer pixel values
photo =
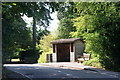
(93, 62)
(42, 58)
(30, 55)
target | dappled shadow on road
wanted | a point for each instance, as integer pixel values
(104, 72)
(60, 79)
(39, 72)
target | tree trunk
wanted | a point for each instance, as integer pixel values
(34, 33)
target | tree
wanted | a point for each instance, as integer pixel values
(65, 15)
(41, 33)
(12, 13)
(98, 24)
(15, 33)
(65, 28)
(45, 46)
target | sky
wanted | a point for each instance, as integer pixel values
(53, 23)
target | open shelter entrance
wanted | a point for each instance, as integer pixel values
(63, 52)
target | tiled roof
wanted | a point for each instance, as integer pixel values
(71, 40)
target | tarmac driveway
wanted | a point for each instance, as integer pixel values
(38, 71)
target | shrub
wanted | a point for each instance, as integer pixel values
(42, 58)
(93, 62)
(30, 55)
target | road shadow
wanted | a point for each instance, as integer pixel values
(54, 76)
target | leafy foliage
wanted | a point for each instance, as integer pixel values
(64, 29)
(65, 15)
(29, 56)
(46, 47)
(15, 33)
(98, 24)
(41, 33)
(16, 36)
(45, 44)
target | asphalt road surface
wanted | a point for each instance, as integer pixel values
(37, 71)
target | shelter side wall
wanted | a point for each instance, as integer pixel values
(72, 57)
(54, 54)
(54, 57)
(72, 53)
(79, 48)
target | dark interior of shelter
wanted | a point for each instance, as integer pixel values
(63, 52)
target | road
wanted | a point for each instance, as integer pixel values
(37, 71)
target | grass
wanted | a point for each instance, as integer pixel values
(15, 60)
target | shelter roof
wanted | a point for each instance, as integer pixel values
(71, 40)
